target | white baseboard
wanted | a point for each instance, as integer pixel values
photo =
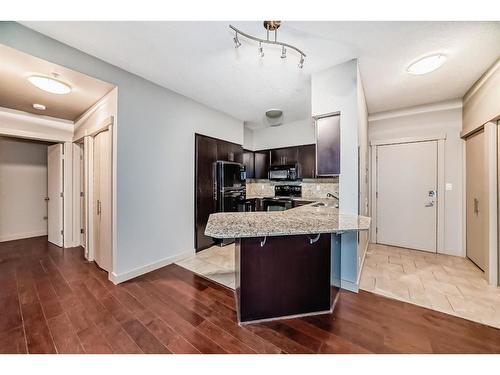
(127, 275)
(20, 236)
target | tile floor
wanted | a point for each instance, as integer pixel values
(215, 263)
(449, 284)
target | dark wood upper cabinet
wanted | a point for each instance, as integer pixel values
(228, 151)
(261, 164)
(248, 162)
(307, 161)
(285, 155)
(328, 146)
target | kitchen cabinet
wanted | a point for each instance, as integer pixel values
(285, 155)
(228, 151)
(207, 151)
(307, 161)
(261, 164)
(248, 162)
(328, 146)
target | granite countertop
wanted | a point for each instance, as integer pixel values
(306, 219)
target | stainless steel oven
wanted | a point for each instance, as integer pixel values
(276, 204)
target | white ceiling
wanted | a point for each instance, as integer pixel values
(198, 59)
(18, 93)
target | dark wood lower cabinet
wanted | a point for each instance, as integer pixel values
(207, 151)
(287, 275)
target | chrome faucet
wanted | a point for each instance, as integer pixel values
(330, 195)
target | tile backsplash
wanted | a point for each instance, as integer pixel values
(311, 188)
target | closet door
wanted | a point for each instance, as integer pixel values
(102, 200)
(477, 205)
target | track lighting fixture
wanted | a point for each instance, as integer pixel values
(270, 26)
(283, 52)
(236, 41)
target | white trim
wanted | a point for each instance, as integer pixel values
(138, 271)
(409, 111)
(362, 263)
(481, 81)
(441, 196)
(60, 130)
(393, 141)
(491, 268)
(464, 200)
(20, 236)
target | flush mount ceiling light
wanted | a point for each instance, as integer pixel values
(426, 64)
(269, 26)
(50, 84)
(40, 107)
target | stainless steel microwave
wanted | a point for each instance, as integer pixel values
(287, 172)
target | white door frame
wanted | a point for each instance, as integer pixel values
(492, 269)
(88, 142)
(440, 138)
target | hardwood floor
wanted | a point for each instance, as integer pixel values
(52, 301)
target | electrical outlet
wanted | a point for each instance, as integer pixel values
(449, 186)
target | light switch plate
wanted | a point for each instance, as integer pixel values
(449, 186)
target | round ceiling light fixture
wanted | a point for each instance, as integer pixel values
(274, 113)
(426, 64)
(274, 117)
(40, 107)
(50, 84)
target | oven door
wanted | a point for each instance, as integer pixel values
(276, 204)
(234, 201)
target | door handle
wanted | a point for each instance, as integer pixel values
(476, 206)
(430, 204)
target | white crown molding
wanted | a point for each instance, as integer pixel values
(409, 111)
(14, 113)
(481, 81)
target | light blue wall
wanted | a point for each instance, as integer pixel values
(335, 90)
(155, 163)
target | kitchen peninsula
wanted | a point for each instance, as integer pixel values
(287, 262)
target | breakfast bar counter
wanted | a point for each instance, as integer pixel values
(287, 262)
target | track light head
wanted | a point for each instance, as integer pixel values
(261, 50)
(301, 62)
(283, 52)
(236, 41)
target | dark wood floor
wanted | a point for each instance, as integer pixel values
(52, 301)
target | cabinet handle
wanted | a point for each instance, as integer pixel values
(476, 206)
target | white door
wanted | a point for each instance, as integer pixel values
(477, 205)
(102, 200)
(54, 194)
(406, 195)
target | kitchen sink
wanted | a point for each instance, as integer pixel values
(319, 204)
